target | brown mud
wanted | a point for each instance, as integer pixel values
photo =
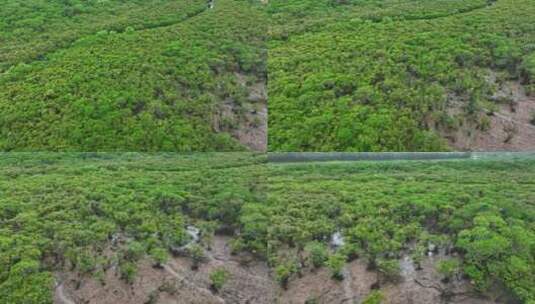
(247, 122)
(251, 282)
(175, 282)
(508, 126)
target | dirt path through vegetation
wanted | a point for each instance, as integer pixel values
(246, 121)
(185, 281)
(60, 295)
(348, 289)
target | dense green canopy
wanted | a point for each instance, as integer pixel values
(124, 75)
(481, 209)
(62, 211)
(375, 75)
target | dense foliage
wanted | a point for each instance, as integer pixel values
(89, 212)
(481, 210)
(391, 75)
(31, 29)
(125, 75)
(85, 212)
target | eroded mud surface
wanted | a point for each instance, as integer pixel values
(509, 126)
(247, 121)
(175, 282)
(426, 286)
(252, 282)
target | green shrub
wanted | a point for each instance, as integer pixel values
(219, 277)
(134, 251)
(389, 269)
(128, 272)
(312, 300)
(86, 262)
(318, 253)
(449, 268)
(159, 256)
(283, 272)
(336, 263)
(374, 297)
(484, 123)
(27, 284)
(196, 253)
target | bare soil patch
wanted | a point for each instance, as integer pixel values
(251, 282)
(176, 282)
(509, 127)
(246, 122)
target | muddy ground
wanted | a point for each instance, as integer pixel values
(251, 281)
(413, 287)
(175, 282)
(246, 122)
(509, 126)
